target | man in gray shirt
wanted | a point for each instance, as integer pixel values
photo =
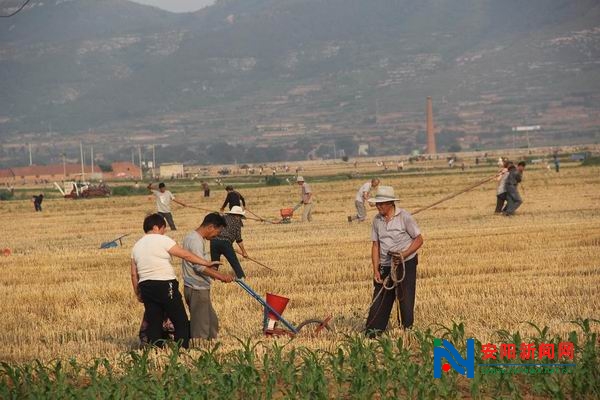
(394, 230)
(203, 318)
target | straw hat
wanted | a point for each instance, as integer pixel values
(384, 193)
(299, 179)
(236, 210)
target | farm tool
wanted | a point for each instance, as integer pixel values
(288, 213)
(113, 243)
(274, 306)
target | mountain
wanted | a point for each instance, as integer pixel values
(298, 75)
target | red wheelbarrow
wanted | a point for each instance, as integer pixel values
(274, 306)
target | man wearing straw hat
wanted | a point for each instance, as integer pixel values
(223, 243)
(305, 199)
(396, 238)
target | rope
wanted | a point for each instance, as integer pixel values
(467, 189)
(392, 281)
(211, 211)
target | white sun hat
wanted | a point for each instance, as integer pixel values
(236, 210)
(299, 179)
(384, 193)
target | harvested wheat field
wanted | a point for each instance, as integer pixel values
(63, 297)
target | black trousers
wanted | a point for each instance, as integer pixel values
(225, 247)
(500, 200)
(379, 314)
(163, 298)
(169, 218)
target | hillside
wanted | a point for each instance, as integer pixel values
(294, 74)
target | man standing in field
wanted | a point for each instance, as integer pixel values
(395, 232)
(513, 198)
(501, 188)
(306, 199)
(234, 198)
(37, 202)
(206, 189)
(163, 203)
(223, 243)
(361, 198)
(203, 318)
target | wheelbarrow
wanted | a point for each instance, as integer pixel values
(274, 306)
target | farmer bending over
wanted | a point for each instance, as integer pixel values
(361, 198)
(223, 243)
(395, 230)
(155, 284)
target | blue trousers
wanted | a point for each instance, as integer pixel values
(225, 247)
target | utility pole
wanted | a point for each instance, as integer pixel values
(64, 166)
(81, 153)
(153, 161)
(30, 158)
(140, 160)
(92, 157)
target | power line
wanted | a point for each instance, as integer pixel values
(18, 10)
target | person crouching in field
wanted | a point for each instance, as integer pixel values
(361, 198)
(394, 230)
(203, 318)
(155, 284)
(223, 243)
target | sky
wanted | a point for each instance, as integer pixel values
(177, 5)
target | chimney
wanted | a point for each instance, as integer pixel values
(430, 132)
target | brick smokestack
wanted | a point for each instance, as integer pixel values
(430, 131)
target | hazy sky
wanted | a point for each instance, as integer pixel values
(177, 5)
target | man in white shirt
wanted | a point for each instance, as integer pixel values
(163, 203)
(361, 198)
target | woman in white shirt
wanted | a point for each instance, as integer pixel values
(155, 284)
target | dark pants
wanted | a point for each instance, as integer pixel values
(500, 200)
(163, 298)
(38, 206)
(169, 218)
(225, 247)
(207, 193)
(379, 314)
(513, 200)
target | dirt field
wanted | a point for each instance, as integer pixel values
(63, 297)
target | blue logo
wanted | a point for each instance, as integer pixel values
(446, 350)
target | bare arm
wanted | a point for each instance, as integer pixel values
(150, 188)
(134, 280)
(180, 252)
(375, 262)
(241, 246)
(414, 246)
